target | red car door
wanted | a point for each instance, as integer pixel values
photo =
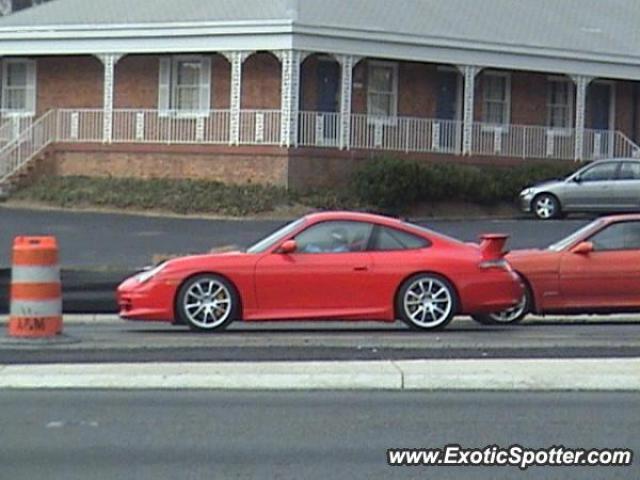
(328, 275)
(608, 277)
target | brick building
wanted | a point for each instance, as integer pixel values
(294, 92)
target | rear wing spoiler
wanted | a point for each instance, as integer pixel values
(492, 246)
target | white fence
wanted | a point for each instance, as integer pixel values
(22, 138)
(406, 134)
(31, 141)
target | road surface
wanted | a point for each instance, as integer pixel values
(156, 435)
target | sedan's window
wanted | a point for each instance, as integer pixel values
(597, 173)
(268, 242)
(335, 237)
(620, 236)
(629, 171)
(387, 239)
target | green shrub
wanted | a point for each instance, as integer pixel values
(392, 184)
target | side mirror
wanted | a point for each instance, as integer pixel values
(577, 179)
(288, 247)
(583, 248)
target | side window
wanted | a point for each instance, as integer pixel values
(629, 171)
(620, 236)
(387, 239)
(334, 237)
(599, 173)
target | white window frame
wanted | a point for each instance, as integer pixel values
(205, 90)
(30, 87)
(567, 129)
(377, 119)
(492, 127)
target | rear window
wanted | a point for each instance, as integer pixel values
(387, 239)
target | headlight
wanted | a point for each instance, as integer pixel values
(149, 274)
(526, 192)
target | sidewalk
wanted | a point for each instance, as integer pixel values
(427, 375)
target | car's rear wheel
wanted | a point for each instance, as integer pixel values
(510, 316)
(546, 206)
(427, 302)
(207, 303)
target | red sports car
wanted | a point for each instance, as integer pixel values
(594, 270)
(336, 265)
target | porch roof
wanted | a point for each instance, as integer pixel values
(588, 37)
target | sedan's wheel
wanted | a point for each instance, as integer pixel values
(207, 303)
(511, 316)
(546, 206)
(427, 302)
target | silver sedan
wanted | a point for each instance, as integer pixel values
(604, 186)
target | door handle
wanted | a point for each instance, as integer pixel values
(361, 268)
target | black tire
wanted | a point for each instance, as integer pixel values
(546, 207)
(434, 298)
(511, 316)
(210, 307)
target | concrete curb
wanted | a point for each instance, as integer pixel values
(427, 375)
(95, 319)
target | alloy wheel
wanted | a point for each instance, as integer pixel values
(428, 302)
(207, 303)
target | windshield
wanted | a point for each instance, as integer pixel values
(571, 239)
(268, 242)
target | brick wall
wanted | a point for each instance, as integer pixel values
(261, 82)
(69, 82)
(231, 165)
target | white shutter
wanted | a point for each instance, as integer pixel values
(31, 90)
(164, 85)
(205, 85)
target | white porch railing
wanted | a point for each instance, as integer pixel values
(260, 127)
(319, 129)
(24, 138)
(29, 143)
(523, 141)
(406, 134)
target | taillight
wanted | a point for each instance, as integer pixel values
(500, 263)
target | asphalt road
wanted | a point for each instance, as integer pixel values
(129, 241)
(155, 435)
(119, 341)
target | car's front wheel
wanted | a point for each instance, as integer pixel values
(207, 303)
(546, 206)
(427, 302)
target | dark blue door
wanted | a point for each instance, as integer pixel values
(447, 95)
(328, 91)
(328, 82)
(447, 109)
(600, 105)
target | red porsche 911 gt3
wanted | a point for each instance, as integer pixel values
(595, 270)
(334, 265)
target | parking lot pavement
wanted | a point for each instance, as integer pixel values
(109, 339)
(130, 241)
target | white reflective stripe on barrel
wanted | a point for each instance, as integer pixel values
(36, 308)
(22, 274)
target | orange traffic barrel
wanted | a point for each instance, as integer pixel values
(36, 293)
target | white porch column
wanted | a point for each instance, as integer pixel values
(237, 60)
(347, 62)
(109, 61)
(291, 61)
(582, 82)
(469, 72)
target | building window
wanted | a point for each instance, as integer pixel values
(560, 103)
(19, 86)
(496, 98)
(185, 85)
(382, 89)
